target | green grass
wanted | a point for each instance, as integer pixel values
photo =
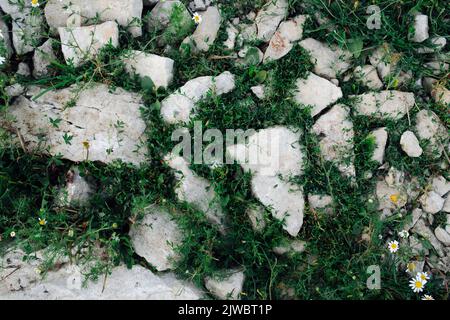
(336, 259)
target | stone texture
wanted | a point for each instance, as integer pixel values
(269, 17)
(368, 76)
(66, 282)
(429, 128)
(227, 287)
(206, 32)
(259, 91)
(316, 92)
(77, 191)
(440, 94)
(159, 20)
(156, 237)
(384, 105)
(284, 199)
(380, 135)
(440, 185)
(195, 190)
(93, 119)
(410, 145)
(385, 60)
(390, 196)
(126, 13)
(432, 202)
(256, 215)
(178, 106)
(23, 70)
(232, 34)
(14, 90)
(424, 231)
(335, 132)
(157, 68)
(83, 43)
(412, 219)
(27, 27)
(42, 58)
(321, 202)
(329, 61)
(442, 235)
(269, 154)
(290, 247)
(420, 33)
(283, 40)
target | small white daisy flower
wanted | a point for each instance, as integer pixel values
(42, 221)
(416, 285)
(424, 276)
(197, 18)
(427, 297)
(12, 234)
(2, 60)
(404, 234)
(393, 246)
(35, 3)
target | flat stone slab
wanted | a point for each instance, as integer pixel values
(389, 104)
(127, 13)
(101, 125)
(157, 68)
(79, 44)
(155, 238)
(316, 92)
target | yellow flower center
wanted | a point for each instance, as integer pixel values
(411, 266)
(419, 284)
(34, 1)
(86, 144)
(42, 222)
(394, 198)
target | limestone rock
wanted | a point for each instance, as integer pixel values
(291, 247)
(83, 43)
(380, 135)
(430, 129)
(178, 106)
(283, 40)
(284, 199)
(321, 202)
(27, 26)
(86, 130)
(206, 32)
(259, 91)
(390, 197)
(316, 92)
(195, 190)
(159, 19)
(440, 94)
(368, 76)
(410, 144)
(43, 56)
(23, 70)
(329, 61)
(442, 235)
(421, 229)
(78, 189)
(229, 287)
(432, 202)
(420, 33)
(256, 215)
(269, 17)
(66, 282)
(384, 104)
(232, 34)
(440, 185)
(269, 153)
(385, 60)
(157, 68)
(126, 13)
(14, 90)
(155, 238)
(336, 138)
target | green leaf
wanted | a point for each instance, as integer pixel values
(355, 46)
(147, 83)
